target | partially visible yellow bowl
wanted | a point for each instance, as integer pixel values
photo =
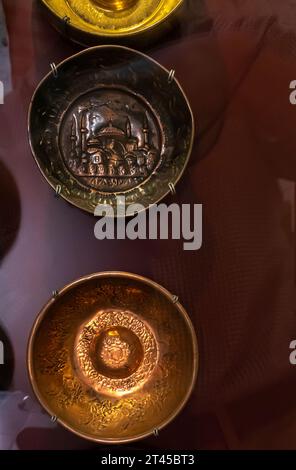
(89, 21)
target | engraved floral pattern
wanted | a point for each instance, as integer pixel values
(81, 313)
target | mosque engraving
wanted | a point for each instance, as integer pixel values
(112, 142)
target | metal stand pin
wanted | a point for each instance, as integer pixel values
(171, 76)
(175, 299)
(172, 188)
(54, 69)
(58, 190)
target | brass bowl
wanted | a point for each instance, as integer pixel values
(113, 356)
(90, 21)
(110, 121)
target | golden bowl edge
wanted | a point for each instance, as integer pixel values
(86, 37)
(158, 287)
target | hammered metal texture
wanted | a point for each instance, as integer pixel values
(116, 352)
(111, 122)
(112, 18)
(113, 357)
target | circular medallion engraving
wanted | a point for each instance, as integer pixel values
(115, 352)
(115, 15)
(110, 140)
(114, 5)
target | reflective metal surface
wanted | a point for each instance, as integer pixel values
(113, 357)
(111, 121)
(89, 20)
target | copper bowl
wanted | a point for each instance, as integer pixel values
(113, 357)
(108, 122)
(88, 22)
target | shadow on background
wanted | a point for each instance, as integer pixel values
(6, 369)
(10, 210)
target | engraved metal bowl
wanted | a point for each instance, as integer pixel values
(88, 22)
(113, 357)
(108, 122)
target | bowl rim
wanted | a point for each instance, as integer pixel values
(90, 50)
(146, 27)
(125, 275)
